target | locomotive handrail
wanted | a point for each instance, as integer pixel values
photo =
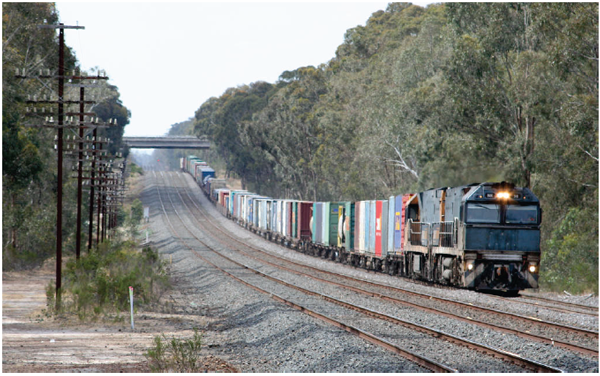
(445, 235)
(414, 236)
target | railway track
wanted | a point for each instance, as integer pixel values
(465, 316)
(505, 355)
(569, 307)
(412, 356)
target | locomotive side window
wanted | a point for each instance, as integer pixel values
(483, 213)
(522, 214)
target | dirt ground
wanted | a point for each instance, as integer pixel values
(31, 342)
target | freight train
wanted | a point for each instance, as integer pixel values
(483, 236)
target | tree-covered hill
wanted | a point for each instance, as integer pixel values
(446, 95)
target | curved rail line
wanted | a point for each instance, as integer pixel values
(499, 353)
(549, 306)
(542, 339)
(416, 358)
(559, 302)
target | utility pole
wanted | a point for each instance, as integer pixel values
(60, 126)
(91, 218)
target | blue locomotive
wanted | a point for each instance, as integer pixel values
(482, 236)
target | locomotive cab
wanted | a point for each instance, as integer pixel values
(501, 235)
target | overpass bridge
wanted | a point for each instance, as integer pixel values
(166, 142)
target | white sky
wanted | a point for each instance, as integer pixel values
(169, 58)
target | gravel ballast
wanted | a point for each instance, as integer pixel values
(298, 327)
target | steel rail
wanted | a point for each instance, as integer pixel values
(416, 358)
(553, 301)
(554, 342)
(550, 307)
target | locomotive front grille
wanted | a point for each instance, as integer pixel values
(502, 256)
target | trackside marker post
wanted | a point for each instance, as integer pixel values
(131, 301)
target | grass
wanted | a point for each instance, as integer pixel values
(174, 354)
(98, 284)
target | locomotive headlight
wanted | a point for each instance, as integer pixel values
(503, 195)
(470, 266)
(532, 268)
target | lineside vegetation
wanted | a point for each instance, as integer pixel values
(419, 98)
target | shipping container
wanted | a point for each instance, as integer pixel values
(217, 184)
(372, 225)
(233, 198)
(305, 214)
(367, 228)
(349, 226)
(400, 222)
(294, 222)
(220, 194)
(384, 227)
(189, 163)
(203, 172)
(325, 223)
(285, 215)
(280, 212)
(340, 227)
(259, 206)
(362, 235)
(317, 225)
(273, 217)
(378, 227)
(357, 225)
(390, 224)
(269, 215)
(335, 218)
(289, 219)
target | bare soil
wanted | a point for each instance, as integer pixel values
(33, 342)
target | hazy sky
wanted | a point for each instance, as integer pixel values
(169, 58)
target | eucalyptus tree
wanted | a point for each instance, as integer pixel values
(28, 161)
(287, 131)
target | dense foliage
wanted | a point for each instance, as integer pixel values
(420, 98)
(29, 166)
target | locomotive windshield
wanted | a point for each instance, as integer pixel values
(521, 214)
(506, 214)
(483, 213)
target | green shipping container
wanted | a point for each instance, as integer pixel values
(335, 210)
